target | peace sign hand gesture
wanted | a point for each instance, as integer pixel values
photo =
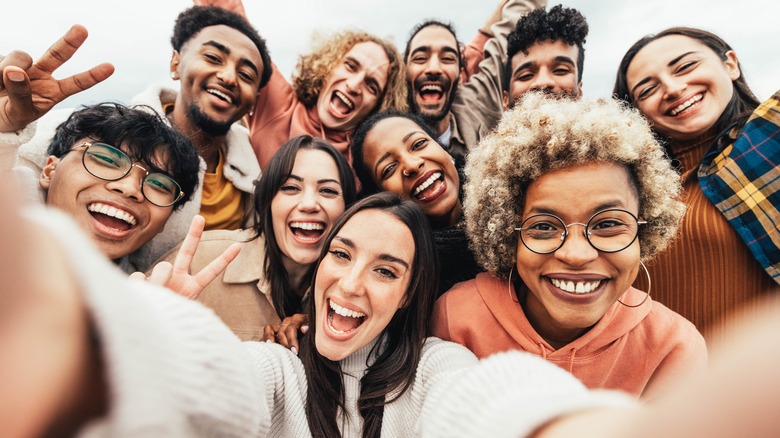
(28, 90)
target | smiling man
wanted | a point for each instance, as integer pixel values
(546, 53)
(221, 63)
(459, 113)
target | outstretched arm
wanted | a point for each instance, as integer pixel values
(28, 90)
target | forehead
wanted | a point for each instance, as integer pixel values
(396, 239)
(657, 54)
(372, 58)
(433, 37)
(231, 38)
(316, 165)
(386, 135)
(546, 52)
(582, 188)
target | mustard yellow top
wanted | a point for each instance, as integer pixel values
(221, 203)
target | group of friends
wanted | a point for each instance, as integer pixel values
(391, 244)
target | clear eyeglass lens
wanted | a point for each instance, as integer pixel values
(160, 189)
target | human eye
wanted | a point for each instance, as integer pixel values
(373, 88)
(542, 228)
(386, 273)
(350, 66)
(646, 92)
(419, 144)
(524, 77)
(330, 192)
(388, 171)
(562, 71)
(611, 223)
(211, 57)
(289, 188)
(339, 254)
(106, 157)
(419, 59)
(449, 59)
(247, 75)
(160, 183)
(686, 66)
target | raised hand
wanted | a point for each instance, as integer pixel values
(28, 90)
(177, 276)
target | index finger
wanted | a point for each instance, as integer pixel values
(189, 245)
(216, 266)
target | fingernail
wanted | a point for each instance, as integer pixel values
(16, 76)
(304, 328)
(294, 350)
(268, 341)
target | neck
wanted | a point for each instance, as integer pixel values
(442, 125)
(296, 274)
(207, 146)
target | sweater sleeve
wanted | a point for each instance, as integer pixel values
(508, 395)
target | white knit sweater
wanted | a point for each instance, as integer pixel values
(174, 370)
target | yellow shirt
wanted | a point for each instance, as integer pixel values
(221, 204)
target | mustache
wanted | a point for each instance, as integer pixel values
(428, 78)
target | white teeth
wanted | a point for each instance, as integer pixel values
(308, 225)
(685, 105)
(431, 87)
(113, 212)
(427, 183)
(343, 311)
(344, 99)
(220, 94)
(580, 287)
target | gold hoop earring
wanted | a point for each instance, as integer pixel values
(649, 287)
(512, 296)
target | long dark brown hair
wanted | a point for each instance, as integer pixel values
(743, 101)
(401, 341)
(285, 298)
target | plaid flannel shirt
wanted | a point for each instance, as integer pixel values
(743, 181)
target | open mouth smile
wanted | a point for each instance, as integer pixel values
(112, 217)
(429, 187)
(575, 287)
(342, 320)
(341, 103)
(307, 231)
(686, 105)
(219, 94)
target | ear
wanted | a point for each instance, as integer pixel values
(732, 65)
(505, 100)
(579, 89)
(174, 65)
(44, 180)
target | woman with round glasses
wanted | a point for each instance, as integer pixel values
(563, 203)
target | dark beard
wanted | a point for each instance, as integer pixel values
(208, 125)
(433, 118)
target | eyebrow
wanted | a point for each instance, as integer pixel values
(669, 64)
(226, 50)
(387, 154)
(596, 209)
(384, 256)
(319, 181)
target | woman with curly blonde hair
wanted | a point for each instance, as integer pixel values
(346, 77)
(573, 196)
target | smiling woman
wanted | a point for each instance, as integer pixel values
(574, 218)
(305, 188)
(690, 84)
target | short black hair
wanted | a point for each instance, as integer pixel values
(428, 23)
(356, 143)
(141, 131)
(557, 24)
(194, 19)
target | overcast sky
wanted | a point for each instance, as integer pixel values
(134, 35)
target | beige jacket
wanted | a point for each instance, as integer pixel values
(240, 295)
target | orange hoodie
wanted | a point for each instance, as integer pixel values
(637, 350)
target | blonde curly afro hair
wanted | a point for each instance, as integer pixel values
(314, 69)
(544, 133)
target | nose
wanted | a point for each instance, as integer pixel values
(543, 81)
(412, 165)
(433, 67)
(351, 281)
(130, 185)
(576, 250)
(227, 75)
(673, 88)
(309, 201)
(353, 82)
